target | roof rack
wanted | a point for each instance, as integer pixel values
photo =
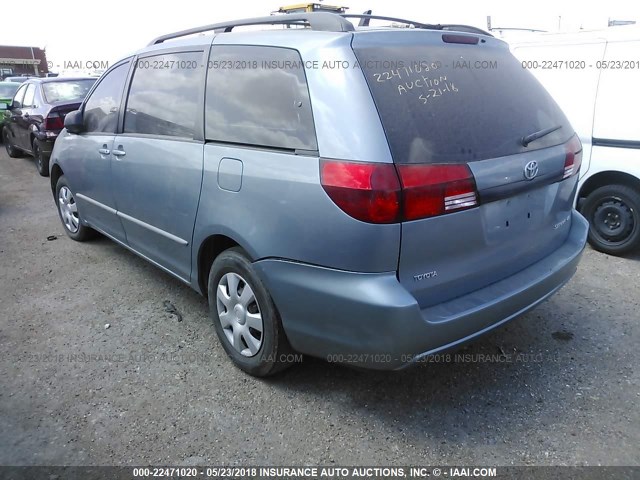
(322, 21)
(366, 17)
(364, 22)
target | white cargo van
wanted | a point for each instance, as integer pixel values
(595, 78)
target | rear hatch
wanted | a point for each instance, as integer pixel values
(480, 200)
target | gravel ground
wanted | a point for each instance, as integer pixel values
(559, 386)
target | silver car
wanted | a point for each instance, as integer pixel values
(370, 196)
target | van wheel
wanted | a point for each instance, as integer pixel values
(613, 212)
(12, 151)
(245, 317)
(42, 160)
(69, 213)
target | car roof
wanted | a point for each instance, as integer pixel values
(59, 79)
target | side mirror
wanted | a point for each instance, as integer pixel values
(73, 122)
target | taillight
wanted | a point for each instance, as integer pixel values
(430, 190)
(54, 121)
(573, 157)
(372, 192)
(367, 191)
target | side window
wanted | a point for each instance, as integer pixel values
(163, 98)
(101, 109)
(258, 96)
(29, 96)
(17, 98)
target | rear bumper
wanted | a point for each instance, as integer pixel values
(371, 320)
(46, 140)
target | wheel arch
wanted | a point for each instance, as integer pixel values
(209, 249)
(56, 173)
(608, 177)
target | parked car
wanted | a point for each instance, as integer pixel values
(373, 210)
(36, 116)
(594, 76)
(7, 91)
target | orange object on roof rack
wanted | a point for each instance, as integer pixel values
(311, 7)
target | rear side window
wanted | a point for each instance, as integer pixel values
(17, 100)
(29, 96)
(452, 103)
(102, 107)
(164, 93)
(258, 96)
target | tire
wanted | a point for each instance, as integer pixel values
(613, 212)
(69, 214)
(12, 151)
(238, 314)
(42, 160)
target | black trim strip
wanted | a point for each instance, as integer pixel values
(266, 148)
(501, 192)
(608, 142)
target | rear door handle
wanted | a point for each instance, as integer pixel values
(119, 152)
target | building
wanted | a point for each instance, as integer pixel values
(16, 61)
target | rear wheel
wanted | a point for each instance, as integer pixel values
(613, 212)
(245, 317)
(69, 213)
(12, 151)
(42, 160)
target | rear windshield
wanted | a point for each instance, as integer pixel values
(453, 103)
(71, 91)
(8, 89)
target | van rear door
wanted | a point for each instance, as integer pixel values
(485, 157)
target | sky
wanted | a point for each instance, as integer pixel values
(80, 31)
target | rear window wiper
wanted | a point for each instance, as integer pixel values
(526, 140)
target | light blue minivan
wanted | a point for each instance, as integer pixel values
(368, 195)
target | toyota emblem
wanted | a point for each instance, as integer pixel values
(531, 170)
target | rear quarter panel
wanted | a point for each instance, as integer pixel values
(281, 211)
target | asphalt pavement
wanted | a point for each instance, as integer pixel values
(558, 386)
